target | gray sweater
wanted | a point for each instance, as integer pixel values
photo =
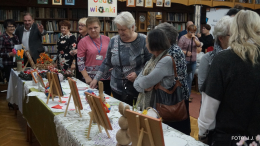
(163, 72)
(203, 68)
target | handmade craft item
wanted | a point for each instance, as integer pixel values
(122, 135)
(98, 114)
(55, 86)
(44, 61)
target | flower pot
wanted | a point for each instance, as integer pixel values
(20, 65)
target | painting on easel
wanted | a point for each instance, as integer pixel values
(76, 98)
(55, 86)
(98, 113)
(144, 130)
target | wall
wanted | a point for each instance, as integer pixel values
(214, 15)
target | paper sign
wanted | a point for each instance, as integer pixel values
(18, 47)
(102, 8)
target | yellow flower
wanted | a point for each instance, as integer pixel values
(145, 112)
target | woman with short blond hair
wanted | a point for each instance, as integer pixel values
(230, 93)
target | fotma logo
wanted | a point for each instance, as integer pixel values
(242, 138)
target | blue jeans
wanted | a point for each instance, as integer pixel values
(190, 74)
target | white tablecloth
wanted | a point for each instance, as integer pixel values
(72, 130)
(15, 92)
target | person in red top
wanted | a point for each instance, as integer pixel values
(92, 51)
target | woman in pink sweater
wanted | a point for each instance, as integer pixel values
(92, 51)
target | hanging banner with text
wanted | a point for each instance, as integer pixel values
(102, 8)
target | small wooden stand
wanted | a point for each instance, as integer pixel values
(98, 114)
(101, 89)
(30, 60)
(140, 132)
(76, 98)
(54, 88)
(144, 130)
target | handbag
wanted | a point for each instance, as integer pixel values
(171, 103)
(129, 91)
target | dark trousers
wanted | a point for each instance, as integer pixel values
(107, 87)
(7, 71)
(182, 126)
(119, 97)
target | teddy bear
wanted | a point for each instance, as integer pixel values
(123, 135)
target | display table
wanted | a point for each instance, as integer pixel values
(52, 128)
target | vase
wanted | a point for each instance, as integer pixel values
(20, 65)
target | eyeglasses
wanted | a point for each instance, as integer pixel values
(227, 35)
(81, 25)
(191, 32)
(95, 28)
(11, 26)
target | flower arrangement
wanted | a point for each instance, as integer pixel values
(44, 59)
(18, 54)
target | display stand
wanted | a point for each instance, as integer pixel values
(55, 87)
(101, 90)
(144, 130)
(29, 60)
(76, 98)
(98, 114)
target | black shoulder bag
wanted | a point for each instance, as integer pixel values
(129, 91)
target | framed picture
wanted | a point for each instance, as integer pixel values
(148, 3)
(42, 1)
(56, 2)
(159, 3)
(41, 81)
(167, 3)
(139, 3)
(35, 75)
(130, 3)
(69, 2)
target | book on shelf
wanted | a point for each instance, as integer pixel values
(77, 13)
(111, 26)
(179, 26)
(52, 25)
(17, 15)
(51, 49)
(177, 17)
(111, 34)
(53, 13)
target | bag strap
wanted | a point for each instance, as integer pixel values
(177, 84)
(121, 67)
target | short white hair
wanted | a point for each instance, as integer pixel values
(83, 20)
(222, 27)
(125, 19)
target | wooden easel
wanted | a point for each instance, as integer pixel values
(101, 89)
(141, 132)
(73, 93)
(95, 115)
(144, 130)
(29, 59)
(54, 88)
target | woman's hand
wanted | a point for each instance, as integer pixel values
(193, 35)
(73, 66)
(88, 79)
(189, 54)
(132, 76)
(198, 35)
(93, 84)
(149, 89)
(11, 54)
(73, 52)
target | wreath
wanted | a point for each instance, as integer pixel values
(101, 9)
